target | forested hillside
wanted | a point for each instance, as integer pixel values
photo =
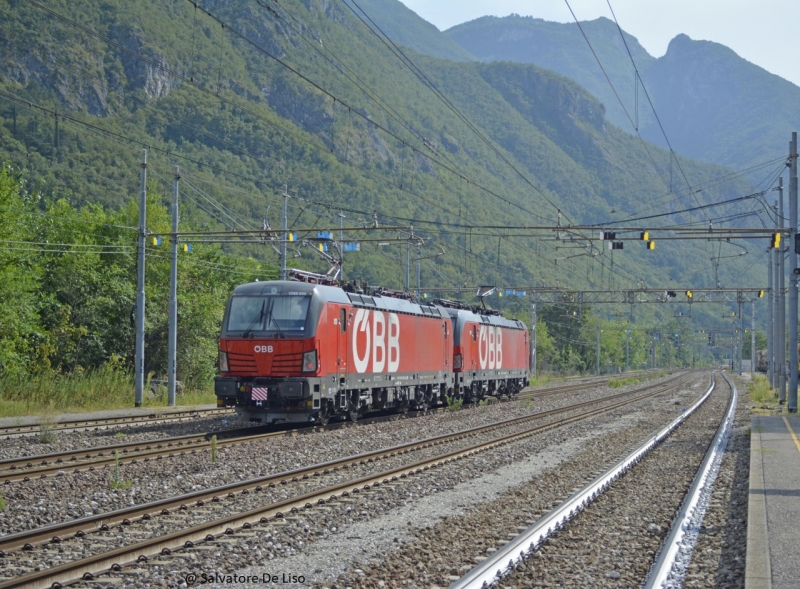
(714, 105)
(258, 96)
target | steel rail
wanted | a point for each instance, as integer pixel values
(133, 452)
(43, 465)
(51, 532)
(503, 561)
(13, 431)
(116, 559)
(673, 558)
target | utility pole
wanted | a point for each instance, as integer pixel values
(285, 227)
(139, 359)
(598, 346)
(793, 275)
(408, 265)
(173, 298)
(419, 282)
(533, 334)
(740, 336)
(341, 244)
(752, 340)
(771, 325)
(627, 349)
(781, 304)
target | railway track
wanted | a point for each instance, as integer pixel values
(524, 561)
(18, 550)
(44, 465)
(34, 429)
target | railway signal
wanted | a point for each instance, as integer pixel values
(776, 240)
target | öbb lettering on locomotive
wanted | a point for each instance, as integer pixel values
(298, 352)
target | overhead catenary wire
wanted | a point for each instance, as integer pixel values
(608, 79)
(251, 112)
(398, 52)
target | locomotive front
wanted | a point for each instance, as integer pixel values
(269, 350)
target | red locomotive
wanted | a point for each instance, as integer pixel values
(299, 352)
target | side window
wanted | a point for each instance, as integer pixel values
(343, 320)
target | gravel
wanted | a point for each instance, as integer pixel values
(719, 556)
(72, 495)
(417, 520)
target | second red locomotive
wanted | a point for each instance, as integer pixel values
(298, 352)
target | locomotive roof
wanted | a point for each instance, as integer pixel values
(285, 287)
(463, 315)
(334, 294)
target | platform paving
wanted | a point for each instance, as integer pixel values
(773, 533)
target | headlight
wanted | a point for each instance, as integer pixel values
(223, 361)
(310, 361)
(457, 361)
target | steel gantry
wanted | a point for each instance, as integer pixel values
(632, 296)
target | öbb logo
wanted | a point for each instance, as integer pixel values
(490, 347)
(376, 337)
(262, 349)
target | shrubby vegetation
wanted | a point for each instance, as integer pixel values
(67, 288)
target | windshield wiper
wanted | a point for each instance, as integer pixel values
(271, 319)
(256, 320)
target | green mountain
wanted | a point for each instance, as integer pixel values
(714, 105)
(260, 95)
(403, 26)
(563, 49)
(719, 107)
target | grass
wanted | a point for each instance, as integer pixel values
(759, 390)
(214, 449)
(47, 428)
(453, 404)
(541, 380)
(118, 482)
(104, 388)
(616, 383)
(2, 502)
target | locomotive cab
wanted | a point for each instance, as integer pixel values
(269, 356)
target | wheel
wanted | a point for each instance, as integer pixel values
(402, 408)
(323, 418)
(352, 415)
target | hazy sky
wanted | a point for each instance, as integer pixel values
(765, 32)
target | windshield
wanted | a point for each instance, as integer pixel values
(274, 314)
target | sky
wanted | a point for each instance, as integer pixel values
(765, 32)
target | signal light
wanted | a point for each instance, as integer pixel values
(776, 240)
(157, 241)
(645, 236)
(187, 247)
(689, 294)
(651, 245)
(609, 236)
